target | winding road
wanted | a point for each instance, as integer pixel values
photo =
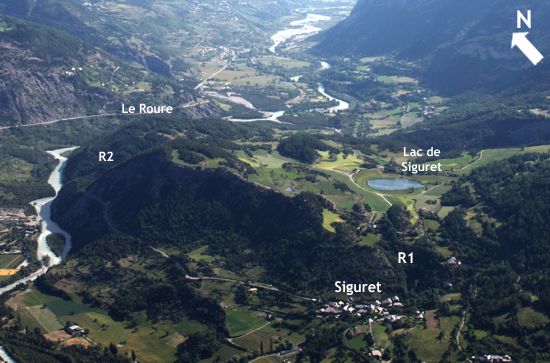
(475, 161)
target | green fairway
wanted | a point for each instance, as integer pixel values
(329, 218)
(342, 162)
(462, 161)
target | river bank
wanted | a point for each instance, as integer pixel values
(300, 29)
(48, 226)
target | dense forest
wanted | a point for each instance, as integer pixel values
(508, 261)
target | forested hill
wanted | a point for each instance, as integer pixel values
(463, 44)
(160, 195)
(510, 252)
(165, 205)
(475, 128)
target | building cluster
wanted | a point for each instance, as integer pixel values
(452, 262)
(15, 220)
(384, 310)
(491, 358)
(72, 71)
(74, 330)
(429, 111)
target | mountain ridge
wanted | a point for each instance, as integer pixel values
(462, 45)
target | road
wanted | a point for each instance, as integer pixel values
(258, 285)
(475, 161)
(203, 82)
(75, 118)
(284, 354)
(460, 330)
(230, 340)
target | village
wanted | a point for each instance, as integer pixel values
(15, 227)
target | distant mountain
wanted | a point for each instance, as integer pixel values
(120, 50)
(461, 44)
(48, 74)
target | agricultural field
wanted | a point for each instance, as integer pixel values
(282, 62)
(153, 342)
(242, 320)
(396, 79)
(10, 261)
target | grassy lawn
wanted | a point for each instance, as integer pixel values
(447, 324)
(381, 337)
(240, 320)
(529, 318)
(444, 211)
(501, 154)
(451, 297)
(431, 225)
(225, 354)
(435, 100)
(198, 255)
(395, 79)
(263, 336)
(57, 305)
(463, 160)
(376, 202)
(152, 342)
(329, 218)
(46, 319)
(410, 119)
(358, 342)
(425, 344)
(282, 62)
(443, 251)
(342, 163)
(369, 240)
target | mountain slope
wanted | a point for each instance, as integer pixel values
(48, 74)
(463, 45)
(41, 81)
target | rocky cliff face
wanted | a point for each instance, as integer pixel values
(33, 92)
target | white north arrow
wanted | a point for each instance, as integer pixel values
(520, 40)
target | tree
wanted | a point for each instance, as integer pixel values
(113, 349)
